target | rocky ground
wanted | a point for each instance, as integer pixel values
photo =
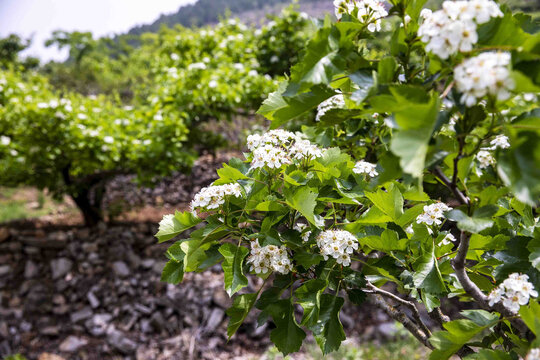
(96, 294)
(69, 292)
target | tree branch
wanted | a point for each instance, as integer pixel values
(439, 317)
(453, 187)
(403, 319)
(458, 263)
(409, 304)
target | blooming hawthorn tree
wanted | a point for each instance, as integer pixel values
(420, 169)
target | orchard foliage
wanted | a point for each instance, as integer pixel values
(73, 144)
(422, 172)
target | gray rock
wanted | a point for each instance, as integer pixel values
(50, 330)
(97, 325)
(157, 321)
(148, 263)
(72, 343)
(30, 269)
(93, 300)
(5, 270)
(120, 342)
(121, 269)
(214, 319)
(80, 315)
(221, 298)
(60, 267)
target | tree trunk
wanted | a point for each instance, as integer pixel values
(91, 213)
(80, 194)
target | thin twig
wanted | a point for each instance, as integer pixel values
(454, 188)
(403, 319)
(407, 303)
(439, 317)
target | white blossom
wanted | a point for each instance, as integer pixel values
(5, 140)
(534, 354)
(339, 244)
(369, 12)
(108, 139)
(485, 159)
(269, 258)
(485, 74)
(433, 214)
(364, 167)
(300, 227)
(304, 149)
(212, 197)
(448, 239)
(500, 141)
(453, 28)
(514, 292)
(197, 66)
(279, 147)
(334, 102)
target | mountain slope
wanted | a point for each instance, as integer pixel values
(205, 12)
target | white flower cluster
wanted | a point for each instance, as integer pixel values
(453, 28)
(279, 147)
(338, 244)
(485, 159)
(500, 141)
(212, 197)
(447, 240)
(484, 156)
(433, 214)
(364, 167)
(334, 102)
(5, 140)
(534, 354)
(370, 12)
(513, 292)
(484, 74)
(269, 258)
(300, 227)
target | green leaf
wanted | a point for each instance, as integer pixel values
(308, 297)
(329, 330)
(304, 200)
(307, 259)
(389, 202)
(232, 267)
(280, 109)
(173, 272)
(519, 166)
(172, 225)
(457, 334)
(531, 317)
(228, 174)
(195, 251)
(467, 223)
(323, 59)
(386, 70)
(488, 354)
(427, 275)
(356, 296)
(415, 113)
(287, 336)
(387, 242)
(238, 312)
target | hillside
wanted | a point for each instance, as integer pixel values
(205, 12)
(209, 11)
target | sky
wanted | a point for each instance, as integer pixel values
(39, 18)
